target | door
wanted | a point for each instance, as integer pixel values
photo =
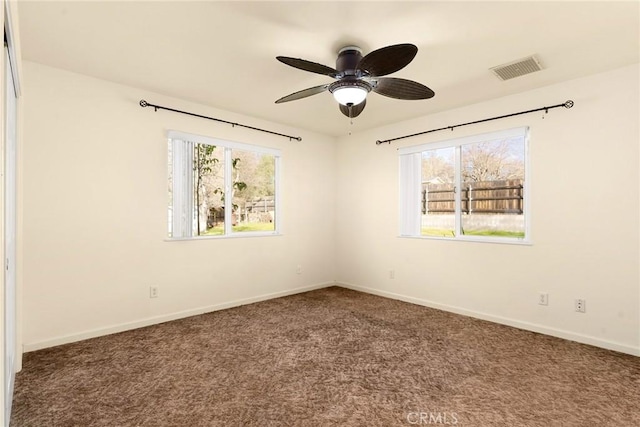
(9, 237)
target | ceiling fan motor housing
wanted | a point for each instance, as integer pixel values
(348, 59)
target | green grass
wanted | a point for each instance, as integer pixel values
(252, 226)
(495, 233)
(442, 232)
(437, 232)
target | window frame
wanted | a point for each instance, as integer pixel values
(174, 137)
(410, 158)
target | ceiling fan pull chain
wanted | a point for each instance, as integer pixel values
(350, 116)
(350, 107)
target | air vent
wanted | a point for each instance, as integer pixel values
(517, 68)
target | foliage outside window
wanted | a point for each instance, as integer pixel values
(221, 188)
(471, 188)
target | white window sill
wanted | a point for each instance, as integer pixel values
(238, 235)
(503, 241)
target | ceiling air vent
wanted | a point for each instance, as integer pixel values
(517, 68)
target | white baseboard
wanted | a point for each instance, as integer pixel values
(66, 339)
(584, 339)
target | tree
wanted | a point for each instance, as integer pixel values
(486, 161)
(236, 184)
(204, 163)
(492, 161)
(438, 164)
(258, 172)
(209, 182)
(266, 172)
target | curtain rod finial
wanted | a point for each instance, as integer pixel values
(143, 103)
(568, 104)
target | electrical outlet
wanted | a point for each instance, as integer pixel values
(543, 298)
(392, 274)
(581, 306)
(299, 269)
(153, 292)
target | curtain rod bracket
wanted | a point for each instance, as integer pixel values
(144, 104)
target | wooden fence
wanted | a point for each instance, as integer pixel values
(256, 210)
(261, 204)
(490, 197)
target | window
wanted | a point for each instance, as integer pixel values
(221, 188)
(471, 188)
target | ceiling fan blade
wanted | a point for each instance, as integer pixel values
(355, 109)
(303, 93)
(402, 89)
(305, 65)
(388, 59)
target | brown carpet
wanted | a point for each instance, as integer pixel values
(331, 357)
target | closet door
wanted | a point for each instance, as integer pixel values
(9, 236)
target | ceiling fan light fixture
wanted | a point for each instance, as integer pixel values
(353, 95)
(349, 92)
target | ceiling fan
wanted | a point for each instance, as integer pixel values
(356, 76)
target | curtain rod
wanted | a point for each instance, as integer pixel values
(144, 104)
(567, 104)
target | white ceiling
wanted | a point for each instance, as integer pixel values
(222, 54)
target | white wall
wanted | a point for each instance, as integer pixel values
(585, 222)
(95, 196)
(94, 216)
